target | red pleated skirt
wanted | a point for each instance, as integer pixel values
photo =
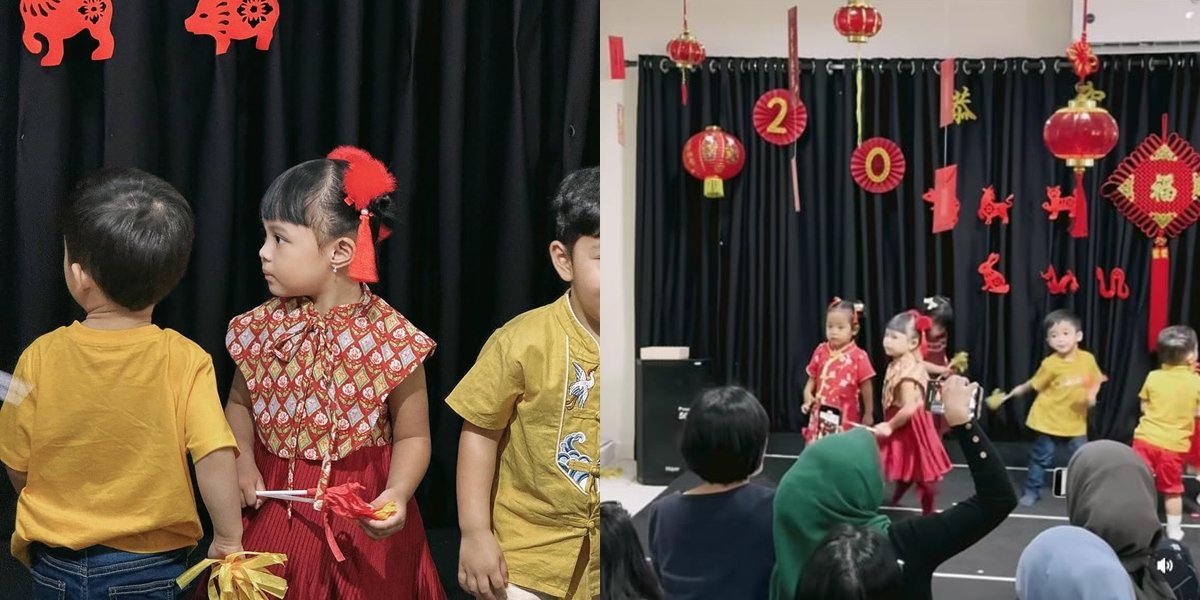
(399, 567)
(914, 452)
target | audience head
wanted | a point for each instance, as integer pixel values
(853, 562)
(624, 572)
(725, 435)
(1071, 563)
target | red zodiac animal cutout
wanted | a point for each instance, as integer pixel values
(1057, 203)
(944, 198)
(989, 209)
(993, 280)
(1060, 285)
(1115, 286)
(235, 20)
(57, 20)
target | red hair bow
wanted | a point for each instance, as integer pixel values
(922, 323)
(366, 179)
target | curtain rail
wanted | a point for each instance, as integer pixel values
(966, 65)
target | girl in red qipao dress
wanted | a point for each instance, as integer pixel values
(910, 448)
(839, 371)
(330, 389)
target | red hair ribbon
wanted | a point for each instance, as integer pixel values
(366, 179)
(922, 323)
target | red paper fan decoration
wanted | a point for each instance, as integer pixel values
(778, 119)
(877, 165)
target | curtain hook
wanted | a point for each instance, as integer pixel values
(1042, 64)
(937, 67)
(965, 70)
(829, 67)
(712, 66)
(729, 65)
(662, 65)
(1150, 65)
(1004, 62)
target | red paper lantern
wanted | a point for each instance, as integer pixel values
(857, 21)
(713, 155)
(1079, 134)
(686, 52)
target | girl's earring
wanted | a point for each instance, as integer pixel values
(335, 268)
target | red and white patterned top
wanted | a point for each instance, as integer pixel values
(839, 373)
(319, 383)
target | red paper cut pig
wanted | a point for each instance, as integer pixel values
(227, 20)
(57, 20)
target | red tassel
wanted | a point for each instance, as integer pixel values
(1079, 215)
(330, 540)
(1160, 271)
(362, 265)
(683, 91)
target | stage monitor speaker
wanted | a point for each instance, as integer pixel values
(665, 392)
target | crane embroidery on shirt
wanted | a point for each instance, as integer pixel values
(578, 392)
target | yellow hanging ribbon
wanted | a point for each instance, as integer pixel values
(858, 90)
(241, 576)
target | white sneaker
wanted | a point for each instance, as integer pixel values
(1175, 533)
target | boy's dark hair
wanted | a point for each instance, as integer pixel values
(854, 307)
(938, 309)
(577, 207)
(1175, 343)
(313, 194)
(1062, 315)
(852, 563)
(905, 323)
(131, 232)
(624, 572)
(725, 435)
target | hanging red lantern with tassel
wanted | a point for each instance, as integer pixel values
(857, 21)
(1081, 132)
(713, 155)
(686, 52)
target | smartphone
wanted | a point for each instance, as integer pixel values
(934, 404)
(829, 421)
(1060, 483)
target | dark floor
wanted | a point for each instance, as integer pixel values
(985, 570)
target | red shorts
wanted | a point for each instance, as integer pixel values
(1166, 466)
(1193, 454)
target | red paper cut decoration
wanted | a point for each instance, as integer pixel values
(56, 20)
(1082, 132)
(1060, 285)
(990, 210)
(779, 120)
(877, 165)
(713, 155)
(1115, 287)
(687, 52)
(993, 280)
(1056, 203)
(1157, 188)
(943, 196)
(235, 20)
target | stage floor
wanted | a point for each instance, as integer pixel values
(984, 571)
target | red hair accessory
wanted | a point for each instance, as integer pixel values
(922, 323)
(856, 308)
(365, 180)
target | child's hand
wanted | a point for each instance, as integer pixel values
(868, 420)
(883, 430)
(378, 530)
(250, 481)
(809, 401)
(482, 571)
(222, 547)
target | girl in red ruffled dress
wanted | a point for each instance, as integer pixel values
(910, 448)
(839, 372)
(330, 390)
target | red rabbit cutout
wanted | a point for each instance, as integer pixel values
(993, 280)
(57, 20)
(227, 20)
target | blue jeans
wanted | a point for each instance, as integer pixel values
(101, 573)
(1041, 458)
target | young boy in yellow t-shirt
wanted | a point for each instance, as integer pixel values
(97, 447)
(1066, 383)
(529, 453)
(1170, 403)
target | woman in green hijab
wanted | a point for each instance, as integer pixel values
(837, 486)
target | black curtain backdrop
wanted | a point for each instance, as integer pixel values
(479, 108)
(745, 280)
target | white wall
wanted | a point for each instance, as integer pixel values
(911, 29)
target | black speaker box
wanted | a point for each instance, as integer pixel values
(665, 392)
